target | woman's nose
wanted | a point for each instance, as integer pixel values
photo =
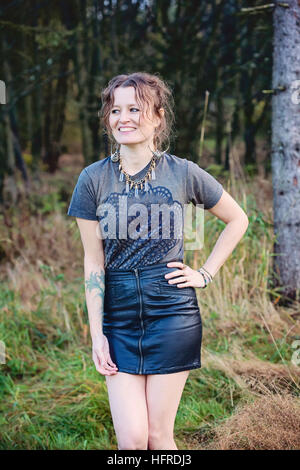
(124, 117)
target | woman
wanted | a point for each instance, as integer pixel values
(144, 317)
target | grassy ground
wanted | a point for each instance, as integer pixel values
(246, 394)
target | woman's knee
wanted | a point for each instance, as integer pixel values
(157, 436)
(133, 441)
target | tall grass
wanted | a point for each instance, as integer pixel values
(246, 394)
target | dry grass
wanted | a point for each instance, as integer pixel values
(271, 422)
(254, 376)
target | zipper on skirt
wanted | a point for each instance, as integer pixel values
(141, 319)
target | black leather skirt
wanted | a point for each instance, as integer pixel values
(152, 327)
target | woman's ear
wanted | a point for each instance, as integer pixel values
(161, 112)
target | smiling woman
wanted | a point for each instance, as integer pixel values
(127, 119)
(144, 315)
(143, 103)
(125, 129)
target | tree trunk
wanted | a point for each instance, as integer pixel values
(82, 66)
(286, 148)
(10, 166)
(36, 106)
(57, 96)
(55, 115)
(48, 96)
(219, 126)
(246, 83)
(95, 72)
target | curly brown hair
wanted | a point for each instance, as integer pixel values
(151, 92)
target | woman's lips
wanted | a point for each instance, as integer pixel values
(127, 131)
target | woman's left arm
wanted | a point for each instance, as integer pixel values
(227, 210)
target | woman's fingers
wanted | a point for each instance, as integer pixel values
(102, 365)
(108, 366)
(101, 356)
(107, 357)
(104, 371)
(109, 361)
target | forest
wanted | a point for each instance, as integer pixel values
(233, 67)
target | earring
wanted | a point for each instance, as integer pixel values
(115, 157)
(158, 153)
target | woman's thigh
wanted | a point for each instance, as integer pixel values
(163, 393)
(128, 406)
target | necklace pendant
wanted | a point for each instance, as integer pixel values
(136, 191)
(146, 185)
(121, 176)
(131, 184)
(153, 174)
(127, 187)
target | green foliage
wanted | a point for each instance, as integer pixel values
(46, 203)
(217, 170)
(250, 169)
(53, 37)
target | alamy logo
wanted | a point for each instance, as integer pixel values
(296, 94)
(2, 92)
(154, 221)
(296, 354)
(2, 352)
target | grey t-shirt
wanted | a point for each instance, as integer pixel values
(148, 228)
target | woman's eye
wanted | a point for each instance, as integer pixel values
(113, 111)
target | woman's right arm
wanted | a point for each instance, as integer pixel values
(94, 274)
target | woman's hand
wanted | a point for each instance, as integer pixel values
(101, 356)
(188, 277)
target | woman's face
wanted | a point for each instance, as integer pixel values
(128, 125)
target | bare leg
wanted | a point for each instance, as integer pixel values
(128, 406)
(163, 394)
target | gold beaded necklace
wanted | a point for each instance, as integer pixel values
(143, 182)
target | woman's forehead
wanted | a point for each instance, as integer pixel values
(124, 94)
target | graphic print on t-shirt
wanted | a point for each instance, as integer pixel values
(140, 230)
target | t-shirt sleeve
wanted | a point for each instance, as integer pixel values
(201, 187)
(83, 201)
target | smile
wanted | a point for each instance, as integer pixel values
(126, 129)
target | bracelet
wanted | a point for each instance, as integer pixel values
(207, 277)
(204, 278)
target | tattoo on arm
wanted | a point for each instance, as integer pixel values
(96, 281)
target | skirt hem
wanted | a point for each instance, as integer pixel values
(168, 370)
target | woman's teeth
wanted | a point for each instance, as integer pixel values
(126, 129)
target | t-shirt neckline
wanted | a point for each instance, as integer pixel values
(139, 174)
